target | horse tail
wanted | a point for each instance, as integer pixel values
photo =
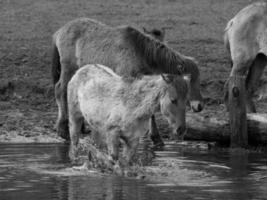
(226, 40)
(56, 66)
(226, 37)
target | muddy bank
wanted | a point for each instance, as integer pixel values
(25, 121)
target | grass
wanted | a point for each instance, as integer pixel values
(194, 27)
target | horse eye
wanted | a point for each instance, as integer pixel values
(174, 101)
(157, 33)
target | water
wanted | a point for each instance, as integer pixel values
(42, 171)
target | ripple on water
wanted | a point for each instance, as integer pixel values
(261, 167)
(172, 171)
(16, 155)
(70, 171)
(219, 166)
(24, 185)
(8, 189)
(174, 175)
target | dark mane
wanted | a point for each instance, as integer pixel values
(159, 56)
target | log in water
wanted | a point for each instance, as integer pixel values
(217, 128)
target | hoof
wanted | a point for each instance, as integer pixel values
(158, 143)
(85, 130)
(118, 170)
(64, 134)
(63, 130)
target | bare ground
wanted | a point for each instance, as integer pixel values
(27, 106)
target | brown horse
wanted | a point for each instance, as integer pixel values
(126, 50)
(245, 39)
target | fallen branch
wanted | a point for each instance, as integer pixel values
(213, 128)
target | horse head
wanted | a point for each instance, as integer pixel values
(173, 102)
(195, 98)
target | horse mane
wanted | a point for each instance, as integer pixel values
(159, 56)
(143, 95)
(107, 70)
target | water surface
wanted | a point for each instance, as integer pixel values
(43, 171)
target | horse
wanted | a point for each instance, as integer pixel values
(126, 50)
(245, 39)
(120, 109)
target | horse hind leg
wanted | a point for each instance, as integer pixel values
(62, 120)
(60, 124)
(61, 99)
(75, 126)
(253, 77)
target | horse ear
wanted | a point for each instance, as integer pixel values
(168, 78)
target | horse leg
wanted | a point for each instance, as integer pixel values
(75, 126)
(240, 67)
(76, 120)
(154, 133)
(253, 78)
(113, 145)
(129, 149)
(61, 99)
(62, 121)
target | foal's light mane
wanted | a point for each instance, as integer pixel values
(159, 56)
(140, 96)
(107, 70)
(144, 95)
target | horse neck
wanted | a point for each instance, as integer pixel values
(150, 92)
(159, 57)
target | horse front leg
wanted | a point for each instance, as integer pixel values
(154, 133)
(62, 119)
(113, 142)
(75, 126)
(129, 149)
(240, 68)
(252, 80)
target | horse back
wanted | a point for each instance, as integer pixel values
(67, 36)
(96, 73)
(245, 34)
(84, 41)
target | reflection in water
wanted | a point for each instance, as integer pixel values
(43, 172)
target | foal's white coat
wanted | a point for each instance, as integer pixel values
(121, 109)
